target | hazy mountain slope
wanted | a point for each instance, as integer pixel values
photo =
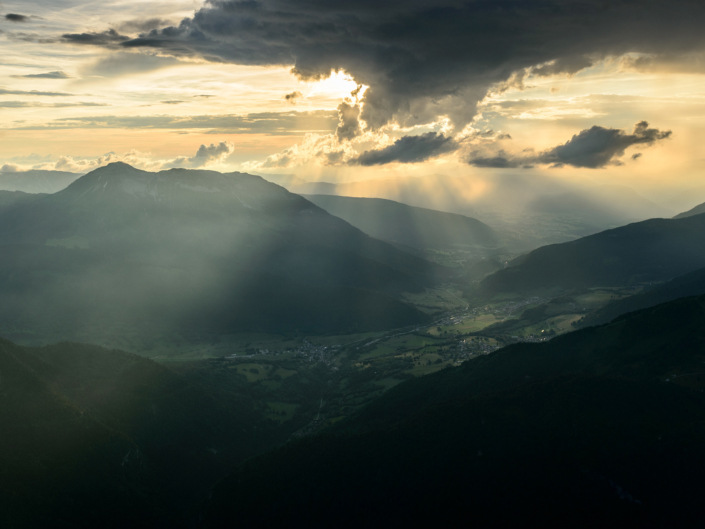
(100, 438)
(399, 223)
(529, 211)
(697, 210)
(653, 250)
(36, 181)
(198, 250)
(692, 284)
(606, 423)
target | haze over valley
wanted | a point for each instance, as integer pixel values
(353, 264)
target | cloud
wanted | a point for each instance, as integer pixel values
(47, 75)
(109, 38)
(172, 102)
(123, 63)
(666, 62)
(293, 97)
(10, 168)
(206, 155)
(422, 59)
(14, 17)
(592, 148)
(141, 25)
(349, 121)
(6, 92)
(409, 149)
(32, 104)
(83, 165)
(272, 123)
(321, 149)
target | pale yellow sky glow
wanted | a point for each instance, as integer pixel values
(160, 108)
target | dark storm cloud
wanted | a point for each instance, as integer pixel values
(14, 17)
(349, 124)
(47, 75)
(293, 97)
(591, 148)
(424, 58)
(109, 38)
(409, 149)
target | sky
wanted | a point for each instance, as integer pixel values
(582, 90)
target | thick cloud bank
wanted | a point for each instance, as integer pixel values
(592, 148)
(422, 59)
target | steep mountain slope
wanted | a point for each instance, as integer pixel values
(605, 423)
(195, 250)
(52, 454)
(36, 181)
(99, 438)
(692, 284)
(411, 226)
(653, 250)
(697, 210)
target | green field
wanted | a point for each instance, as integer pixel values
(437, 300)
(253, 372)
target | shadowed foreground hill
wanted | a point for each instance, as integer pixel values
(604, 425)
(653, 250)
(197, 251)
(411, 226)
(99, 438)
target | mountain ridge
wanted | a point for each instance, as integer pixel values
(173, 244)
(651, 250)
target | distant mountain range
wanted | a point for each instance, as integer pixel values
(653, 250)
(198, 251)
(606, 423)
(419, 228)
(528, 211)
(36, 181)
